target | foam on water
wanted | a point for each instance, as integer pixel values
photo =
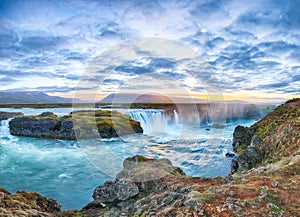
(54, 168)
(69, 173)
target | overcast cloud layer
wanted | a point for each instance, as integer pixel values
(250, 46)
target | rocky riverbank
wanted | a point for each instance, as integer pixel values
(76, 125)
(268, 186)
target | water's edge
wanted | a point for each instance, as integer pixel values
(59, 169)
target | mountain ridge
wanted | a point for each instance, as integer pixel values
(31, 97)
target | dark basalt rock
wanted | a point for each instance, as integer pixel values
(230, 154)
(234, 166)
(244, 143)
(249, 157)
(242, 136)
(7, 115)
(255, 140)
(76, 125)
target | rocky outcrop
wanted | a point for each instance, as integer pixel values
(23, 203)
(242, 137)
(275, 136)
(76, 125)
(147, 173)
(244, 143)
(140, 176)
(265, 191)
(7, 115)
(115, 191)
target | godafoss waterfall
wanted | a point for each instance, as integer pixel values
(69, 170)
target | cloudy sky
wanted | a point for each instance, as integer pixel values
(247, 50)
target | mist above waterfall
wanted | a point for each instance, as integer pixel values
(202, 113)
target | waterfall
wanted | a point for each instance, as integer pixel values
(176, 119)
(4, 129)
(152, 120)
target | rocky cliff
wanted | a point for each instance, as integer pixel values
(269, 140)
(154, 187)
(76, 125)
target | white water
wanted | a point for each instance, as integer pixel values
(176, 118)
(4, 129)
(70, 170)
(152, 120)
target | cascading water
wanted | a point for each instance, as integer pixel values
(176, 119)
(59, 168)
(4, 129)
(152, 120)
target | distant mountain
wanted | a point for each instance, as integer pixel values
(28, 97)
(147, 98)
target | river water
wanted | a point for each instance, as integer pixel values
(70, 170)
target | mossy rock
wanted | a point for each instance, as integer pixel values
(278, 131)
(77, 125)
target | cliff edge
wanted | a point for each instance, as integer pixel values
(269, 140)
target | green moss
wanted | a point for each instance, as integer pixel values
(144, 214)
(276, 210)
(240, 149)
(270, 173)
(272, 197)
(208, 194)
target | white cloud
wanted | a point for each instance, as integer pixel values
(248, 44)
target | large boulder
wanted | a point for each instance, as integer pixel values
(140, 175)
(148, 173)
(76, 125)
(7, 115)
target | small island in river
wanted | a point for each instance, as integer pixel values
(77, 125)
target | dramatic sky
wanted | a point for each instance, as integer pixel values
(250, 49)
